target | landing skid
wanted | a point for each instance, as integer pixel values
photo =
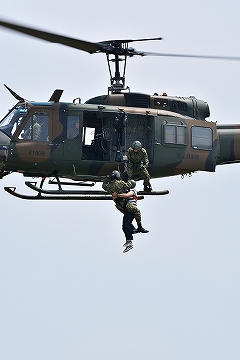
(163, 192)
(60, 194)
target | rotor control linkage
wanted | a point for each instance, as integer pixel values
(120, 122)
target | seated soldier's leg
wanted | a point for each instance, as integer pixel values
(146, 179)
(130, 171)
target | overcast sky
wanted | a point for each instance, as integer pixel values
(67, 290)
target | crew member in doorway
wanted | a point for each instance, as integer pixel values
(138, 163)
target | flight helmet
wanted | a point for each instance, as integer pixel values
(115, 175)
(136, 145)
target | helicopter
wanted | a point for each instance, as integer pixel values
(84, 143)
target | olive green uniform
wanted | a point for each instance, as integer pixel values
(37, 131)
(120, 187)
(138, 163)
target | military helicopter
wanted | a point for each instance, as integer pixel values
(85, 142)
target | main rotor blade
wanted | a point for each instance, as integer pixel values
(236, 58)
(54, 38)
(108, 47)
(132, 40)
(18, 97)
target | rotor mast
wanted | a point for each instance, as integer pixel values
(118, 51)
(117, 81)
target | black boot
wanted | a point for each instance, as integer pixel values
(147, 188)
(140, 229)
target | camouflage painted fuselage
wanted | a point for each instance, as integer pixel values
(174, 131)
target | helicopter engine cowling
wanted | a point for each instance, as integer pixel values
(187, 106)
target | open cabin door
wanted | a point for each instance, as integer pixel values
(100, 133)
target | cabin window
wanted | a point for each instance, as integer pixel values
(72, 126)
(36, 128)
(88, 135)
(202, 138)
(174, 134)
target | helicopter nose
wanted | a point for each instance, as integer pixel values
(4, 144)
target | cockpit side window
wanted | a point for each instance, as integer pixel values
(13, 120)
(36, 128)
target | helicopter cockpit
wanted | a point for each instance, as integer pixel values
(13, 120)
(36, 128)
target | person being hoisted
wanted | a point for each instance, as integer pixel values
(138, 163)
(114, 184)
(130, 198)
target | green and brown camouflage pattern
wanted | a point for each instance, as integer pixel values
(176, 143)
(138, 163)
(121, 187)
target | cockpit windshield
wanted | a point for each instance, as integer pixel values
(13, 120)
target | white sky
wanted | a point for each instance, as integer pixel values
(67, 290)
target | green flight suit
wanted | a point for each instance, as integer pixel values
(138, 163)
